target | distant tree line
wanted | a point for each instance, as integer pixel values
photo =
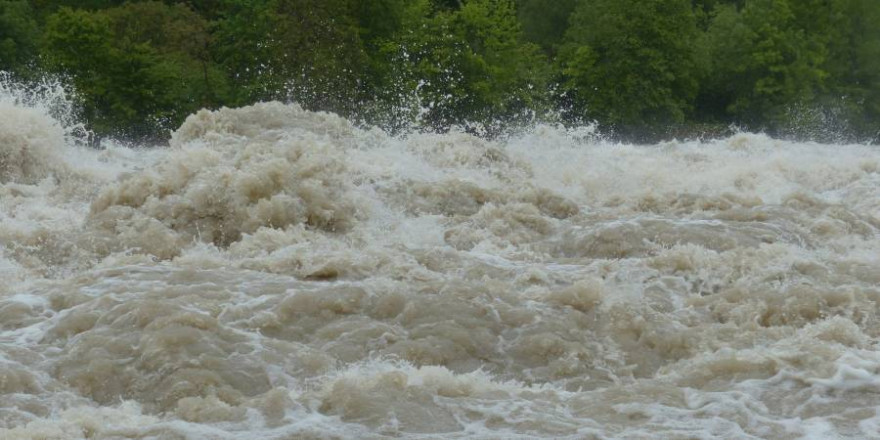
(641, 69)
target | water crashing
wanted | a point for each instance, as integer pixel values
(278, 273)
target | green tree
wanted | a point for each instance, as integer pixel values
(79, 43)
(47, 7)
(182, 40)
(18, 34)
(763, 64)
(632, 64)
(135, 67)
(380, 20)
(309, 51)
(544, 23)
(853, 65)
(636, 66)
(471, 65)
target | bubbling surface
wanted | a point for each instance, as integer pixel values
(277, 273)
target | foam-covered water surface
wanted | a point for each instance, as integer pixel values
(276, 273)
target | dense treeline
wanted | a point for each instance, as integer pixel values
(640, 68)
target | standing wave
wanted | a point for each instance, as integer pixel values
(278, 273)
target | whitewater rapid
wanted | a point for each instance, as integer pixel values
(275, 273)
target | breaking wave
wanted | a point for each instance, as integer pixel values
(278, 273)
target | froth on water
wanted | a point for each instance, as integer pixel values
(277, 273)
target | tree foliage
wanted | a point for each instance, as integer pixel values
(544, 23)
(639, 67)
(763, 62)
(19, 34)
(471, 65)
(140, 67)
(631, 63)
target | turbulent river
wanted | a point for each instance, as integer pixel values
(275, 273)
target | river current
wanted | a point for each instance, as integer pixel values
(275, 273)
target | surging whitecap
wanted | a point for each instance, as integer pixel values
(277, 273)
(229, 173)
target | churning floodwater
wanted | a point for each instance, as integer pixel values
(275, 273)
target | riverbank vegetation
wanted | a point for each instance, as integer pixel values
(641, 69)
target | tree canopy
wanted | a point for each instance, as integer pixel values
(632, 63)
(808, 68)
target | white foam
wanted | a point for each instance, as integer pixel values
(277, 273)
